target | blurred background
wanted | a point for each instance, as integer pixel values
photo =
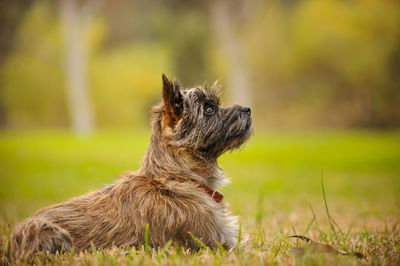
(92, 64)
(322, 79)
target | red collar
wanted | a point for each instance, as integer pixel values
(218, 197)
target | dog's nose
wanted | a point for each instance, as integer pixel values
(246, 109)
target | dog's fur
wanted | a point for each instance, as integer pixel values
(187, 138)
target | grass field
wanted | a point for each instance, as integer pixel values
(276, 190)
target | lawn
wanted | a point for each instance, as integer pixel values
(276, 190)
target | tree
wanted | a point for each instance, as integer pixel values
(239, 84)
(74, 20)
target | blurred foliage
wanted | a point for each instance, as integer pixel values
(33, 92)
(125, 82)
(121, 78)
(329, 61)
(312, 63)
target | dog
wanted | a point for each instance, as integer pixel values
(173, 193)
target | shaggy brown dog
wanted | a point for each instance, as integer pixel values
(173, 192)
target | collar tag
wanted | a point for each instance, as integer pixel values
(217, 196)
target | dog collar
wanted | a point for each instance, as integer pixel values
(218, 197)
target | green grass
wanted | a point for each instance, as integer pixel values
(276, 190)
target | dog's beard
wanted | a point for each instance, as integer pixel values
(231, 135)
(241, 135)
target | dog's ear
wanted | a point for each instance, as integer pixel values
(172, 102)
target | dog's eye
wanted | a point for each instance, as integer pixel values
(209, 110)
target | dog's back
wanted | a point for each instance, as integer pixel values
(118, 214)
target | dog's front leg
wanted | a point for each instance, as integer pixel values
(228, 228)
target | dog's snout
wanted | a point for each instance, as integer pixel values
(246, 109)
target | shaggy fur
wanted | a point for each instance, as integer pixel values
(189, 132)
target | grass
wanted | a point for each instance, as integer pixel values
(276, 190)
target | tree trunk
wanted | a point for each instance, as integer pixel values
(76, 57)
(239, 85)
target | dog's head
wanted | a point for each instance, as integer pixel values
(193, 119)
